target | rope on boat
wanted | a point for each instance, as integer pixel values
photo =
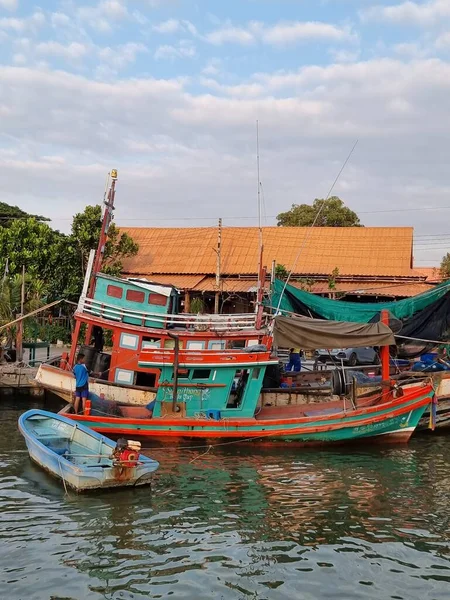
(62, 476)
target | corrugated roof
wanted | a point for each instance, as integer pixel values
(373, 251)
(367, 288)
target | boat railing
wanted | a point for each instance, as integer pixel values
(186, 356)
(189, 321)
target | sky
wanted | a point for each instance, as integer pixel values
(169, 92)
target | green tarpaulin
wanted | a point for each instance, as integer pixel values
(338, 310)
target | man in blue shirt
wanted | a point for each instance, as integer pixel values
(81, 382)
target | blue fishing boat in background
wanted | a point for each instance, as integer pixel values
(83, 459)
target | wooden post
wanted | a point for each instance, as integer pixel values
(187, 301)
(218, 269)
(73, 349)
(88, 337)
(385, 359)
(19, 335)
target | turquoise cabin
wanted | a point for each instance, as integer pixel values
(134, 301)
(207, 386)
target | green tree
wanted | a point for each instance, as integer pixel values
(11, 296)
(281, 272)
(57, 259)
(333, 213)
(9, 213)
(86, 229)
(30, 243)
(445, 266)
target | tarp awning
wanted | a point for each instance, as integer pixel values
(311, 334)
(310, 305)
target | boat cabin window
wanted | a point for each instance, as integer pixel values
(150, 342)
(201, 373)
(195, 345)
(216, 345)
(157, 299)
(238, 388)
(236, 344)
(114, 291)
(146, 379)
(182, 374)
(135, 296)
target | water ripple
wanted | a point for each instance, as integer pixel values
(235, 524)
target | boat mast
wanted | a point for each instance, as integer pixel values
(94, 265)
(261, 269)
(108, 209)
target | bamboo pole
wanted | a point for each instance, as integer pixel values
(35, 312)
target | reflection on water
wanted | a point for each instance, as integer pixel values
(240, 522)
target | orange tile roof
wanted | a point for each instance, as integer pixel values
(369, 251)
(368, 288)
(208, 284)
(431, 274)
(179, 281)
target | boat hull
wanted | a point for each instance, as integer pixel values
(82, 476)
(391, 422)
(62, 384)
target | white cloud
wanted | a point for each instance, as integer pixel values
(12, 24)
(406, 13)
(59, 20)
(443, 41)
(344, 56)
(230, 34)
(309, 119)
(32, 23)
(288, 33)
(169, 26)
(412, 50)
(9, 4)
(212, 67)
(184, 49)
(72, 51)
(175, 25)
(121, 56)
(104, 16)
(19, 59)
(283, 33)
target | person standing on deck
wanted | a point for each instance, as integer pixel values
(294, 364)
(81, 382)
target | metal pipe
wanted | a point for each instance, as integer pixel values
(175, 369)
(385, 359)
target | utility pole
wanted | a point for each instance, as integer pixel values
(19, 336)
(218, 267)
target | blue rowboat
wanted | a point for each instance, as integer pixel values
(81, 457)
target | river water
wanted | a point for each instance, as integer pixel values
(238, 523)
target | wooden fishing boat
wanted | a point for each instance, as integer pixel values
(383, 421)
(82, 458)
(135, 315)
(217, 396)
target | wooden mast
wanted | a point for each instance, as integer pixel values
(95, 264)
(106, 221)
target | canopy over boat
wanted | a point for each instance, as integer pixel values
(310, 334)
